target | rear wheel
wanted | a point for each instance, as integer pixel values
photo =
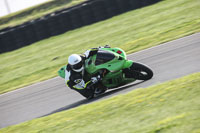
(140, 71)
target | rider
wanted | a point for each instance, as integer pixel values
(75, 73)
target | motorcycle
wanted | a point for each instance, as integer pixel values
(115, 70)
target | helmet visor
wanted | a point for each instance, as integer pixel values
(77, 66)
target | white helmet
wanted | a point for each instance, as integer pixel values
(75, 61)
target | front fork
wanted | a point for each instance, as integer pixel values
(128, 77)
(127, 64)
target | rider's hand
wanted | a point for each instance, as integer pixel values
(95, 79)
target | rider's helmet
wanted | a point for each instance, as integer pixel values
(75, 62)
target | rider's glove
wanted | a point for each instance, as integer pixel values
(95, 79)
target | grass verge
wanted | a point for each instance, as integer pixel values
(35, 12)
(132, 31)
(170, 107)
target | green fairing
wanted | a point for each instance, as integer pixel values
(115, 77)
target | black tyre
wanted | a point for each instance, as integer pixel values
(141, 72)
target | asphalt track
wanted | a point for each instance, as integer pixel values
(169, 61)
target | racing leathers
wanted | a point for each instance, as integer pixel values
(78, 81)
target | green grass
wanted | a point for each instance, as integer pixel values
(31, 13)
(171, 107)
(132, 31)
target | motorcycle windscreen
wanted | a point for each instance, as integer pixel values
(103, 57)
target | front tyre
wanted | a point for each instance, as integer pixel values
(140, 71)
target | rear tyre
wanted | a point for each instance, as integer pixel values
(140, 71)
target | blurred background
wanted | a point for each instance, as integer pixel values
(23, 27)
(37, 37)
(10, 6)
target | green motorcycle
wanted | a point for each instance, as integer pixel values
(115, 69)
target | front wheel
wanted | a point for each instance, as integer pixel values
(140, 71)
